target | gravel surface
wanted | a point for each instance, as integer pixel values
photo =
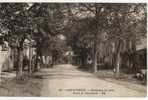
(68, 80)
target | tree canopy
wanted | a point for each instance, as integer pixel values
(100, 30)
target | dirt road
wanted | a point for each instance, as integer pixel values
(67, 80)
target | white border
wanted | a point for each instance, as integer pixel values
(78, 98)
(60, 1)
(72, 98)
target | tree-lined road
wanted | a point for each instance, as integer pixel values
(67, 80)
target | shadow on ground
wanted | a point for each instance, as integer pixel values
(27, 87)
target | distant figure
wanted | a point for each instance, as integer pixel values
(89, 61)
(114, 70)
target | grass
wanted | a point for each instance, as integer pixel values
(125, 77)
(28, 87)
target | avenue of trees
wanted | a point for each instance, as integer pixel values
(109, 32)
(102, 32)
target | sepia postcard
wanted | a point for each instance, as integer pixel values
(79, 49)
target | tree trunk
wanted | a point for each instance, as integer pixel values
(118, 65)
(82, 59)
(30, 62)
(95, 63)
(19, 71)
(94, 58)
(36, 63)
(134, 63)
(118, 58)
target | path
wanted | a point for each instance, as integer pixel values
(67, 80)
